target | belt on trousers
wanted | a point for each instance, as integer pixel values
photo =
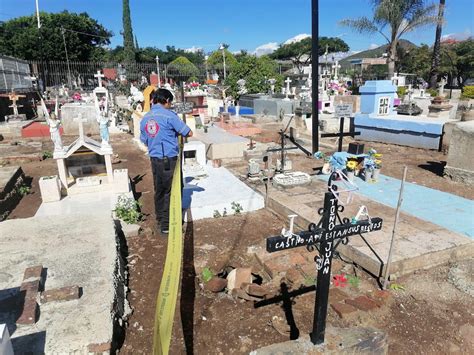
(161, 159)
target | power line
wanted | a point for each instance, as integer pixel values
(85, 33)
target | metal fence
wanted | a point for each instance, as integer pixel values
(18, 75)
(81, 75)
(14, 75)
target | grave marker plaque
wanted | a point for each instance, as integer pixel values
(325, 237)
(343, 110)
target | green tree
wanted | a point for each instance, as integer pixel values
(416, 61)
(181, 69)
(399, 17)
(84, 37)
(255, 71)
(437, 46)
(457, 61)
(216, 60)
(128, 45)
(300, 52)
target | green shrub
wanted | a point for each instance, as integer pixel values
(127, 209)
(432, 92)
(468, 92)
(207, 274)
(23, 190)
(47, 155)
(401, 91)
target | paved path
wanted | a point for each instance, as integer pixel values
(446, 210)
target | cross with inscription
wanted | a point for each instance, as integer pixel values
(14, 97)
(325, 237)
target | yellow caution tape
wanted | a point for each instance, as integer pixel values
(166, 300)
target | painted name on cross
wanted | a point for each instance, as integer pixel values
(279, 243)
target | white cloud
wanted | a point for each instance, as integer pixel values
(266, 48)
(270, 47)
(297, 38)
(374, 45)
(193, 49)
(459, 36)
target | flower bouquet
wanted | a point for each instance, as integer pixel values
(373, 163)
(351, 165)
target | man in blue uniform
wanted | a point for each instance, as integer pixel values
(159, 130)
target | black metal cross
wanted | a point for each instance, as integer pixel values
(341, 134)
(325, 237)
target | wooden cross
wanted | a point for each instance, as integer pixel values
(325, 237)
(14, 97)
(99, 77)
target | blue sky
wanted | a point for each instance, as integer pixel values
(244, 24)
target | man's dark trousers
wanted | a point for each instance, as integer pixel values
(162, 179)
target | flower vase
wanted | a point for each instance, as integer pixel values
(326, 169)
(350, 175)
(375, 174)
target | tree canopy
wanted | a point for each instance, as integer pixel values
(216, 60)
(300, 52)
(181, 69)
(456, 61)
(399, 17)
(84, 37)
(255, 71)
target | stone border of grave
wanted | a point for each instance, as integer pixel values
(11, 196)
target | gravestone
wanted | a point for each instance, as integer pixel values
(273, 107)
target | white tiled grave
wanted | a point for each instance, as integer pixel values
(98, 203)
(217, 191)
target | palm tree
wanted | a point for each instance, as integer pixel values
(437, 46)
(392, 19)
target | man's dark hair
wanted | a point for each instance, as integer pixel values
(162, 96)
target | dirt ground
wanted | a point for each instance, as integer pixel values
(430, 315)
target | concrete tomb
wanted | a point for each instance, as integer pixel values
(84, 166)
(194, 153)
(379, 122)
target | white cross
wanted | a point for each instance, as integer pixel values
(99, 77)
(287, 81)
(336, 67)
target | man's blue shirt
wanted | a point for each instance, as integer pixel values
(159, 130)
